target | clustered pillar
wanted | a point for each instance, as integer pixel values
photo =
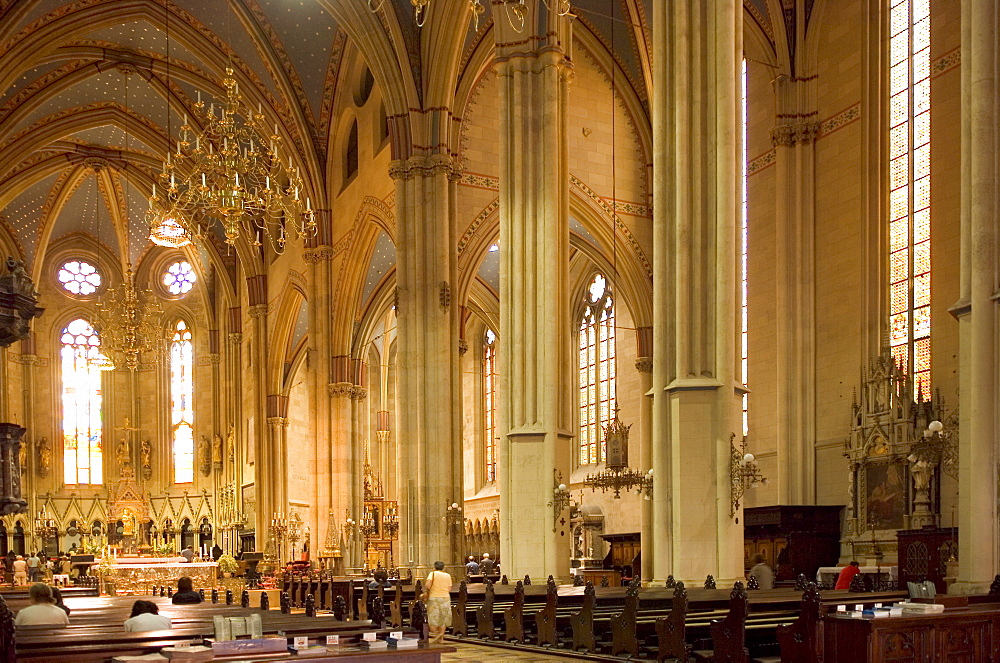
(696, 395)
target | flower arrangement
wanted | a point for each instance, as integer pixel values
(163, 549)
(227, 564)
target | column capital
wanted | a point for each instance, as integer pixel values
(790, 134)
(339, 389)
(644, 364)
(258, 310)
(236, 338)
(278, 422)
(358, 393)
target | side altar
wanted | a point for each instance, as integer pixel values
(901, 442)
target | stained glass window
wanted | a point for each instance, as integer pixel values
(179, 278)
(81, 403)
(490, 404)
(743, 267)
(597, 370)
(909, 184)
(79, 277)
(181, 402)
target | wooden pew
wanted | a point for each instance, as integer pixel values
(459, 614)
(623, 626)
(484, 615)
(514, 616)
(670, 630)
(545, 619)
(802, 640)
(729, 634)
(88, 637)
(582, 622)
(396, 607)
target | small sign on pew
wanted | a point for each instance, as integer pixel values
(332, 640)
(369, 636)
(860, 607)
(841, 608)
(301, 642)
(397, 635)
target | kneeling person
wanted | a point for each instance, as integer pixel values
(146, 617)
(185, 592)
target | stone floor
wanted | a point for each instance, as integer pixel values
(472, 653)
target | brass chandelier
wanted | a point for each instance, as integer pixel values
(127, 326)
(233, 170)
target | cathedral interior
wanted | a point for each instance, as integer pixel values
(601, 283)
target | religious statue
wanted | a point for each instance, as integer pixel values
(123, 452)
(921, 471)
(145, 451)
(217, 452)
(44, 457)
(231, 443)
(205, 454)
(22, 456)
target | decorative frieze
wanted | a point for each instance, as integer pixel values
(319, 254)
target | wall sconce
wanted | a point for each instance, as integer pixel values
(560, 497)
(454, 515)
(744, 473)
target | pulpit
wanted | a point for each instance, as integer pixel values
(924, 555)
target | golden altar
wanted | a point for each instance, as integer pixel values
(139, 575)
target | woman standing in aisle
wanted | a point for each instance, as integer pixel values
(437, 596)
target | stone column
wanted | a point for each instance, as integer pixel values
(976, 310)
(533, 72)
(319, 255)
(696, 395)
(234, 412)
(429, 478)
(644, 364)
(794, 137)
(264, 468)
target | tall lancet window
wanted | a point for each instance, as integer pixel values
(910, 189)
(490, 404)
(81, 404)
(743, 266)
(597, 369)
(181, 402)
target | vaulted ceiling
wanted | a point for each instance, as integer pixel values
(90, 90)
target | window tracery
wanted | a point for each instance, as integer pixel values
(179, 278)
(909, 185)
(82, 402)
(597, 369)
(79, 277)
(181, 402)
(490, 404)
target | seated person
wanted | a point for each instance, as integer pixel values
(472, 566)
(42, 610)
(379, 579)
(146, 617)
(847, 574)
(185, 592)
(486, 566)
(58, 599)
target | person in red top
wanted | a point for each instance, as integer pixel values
(845, 577)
